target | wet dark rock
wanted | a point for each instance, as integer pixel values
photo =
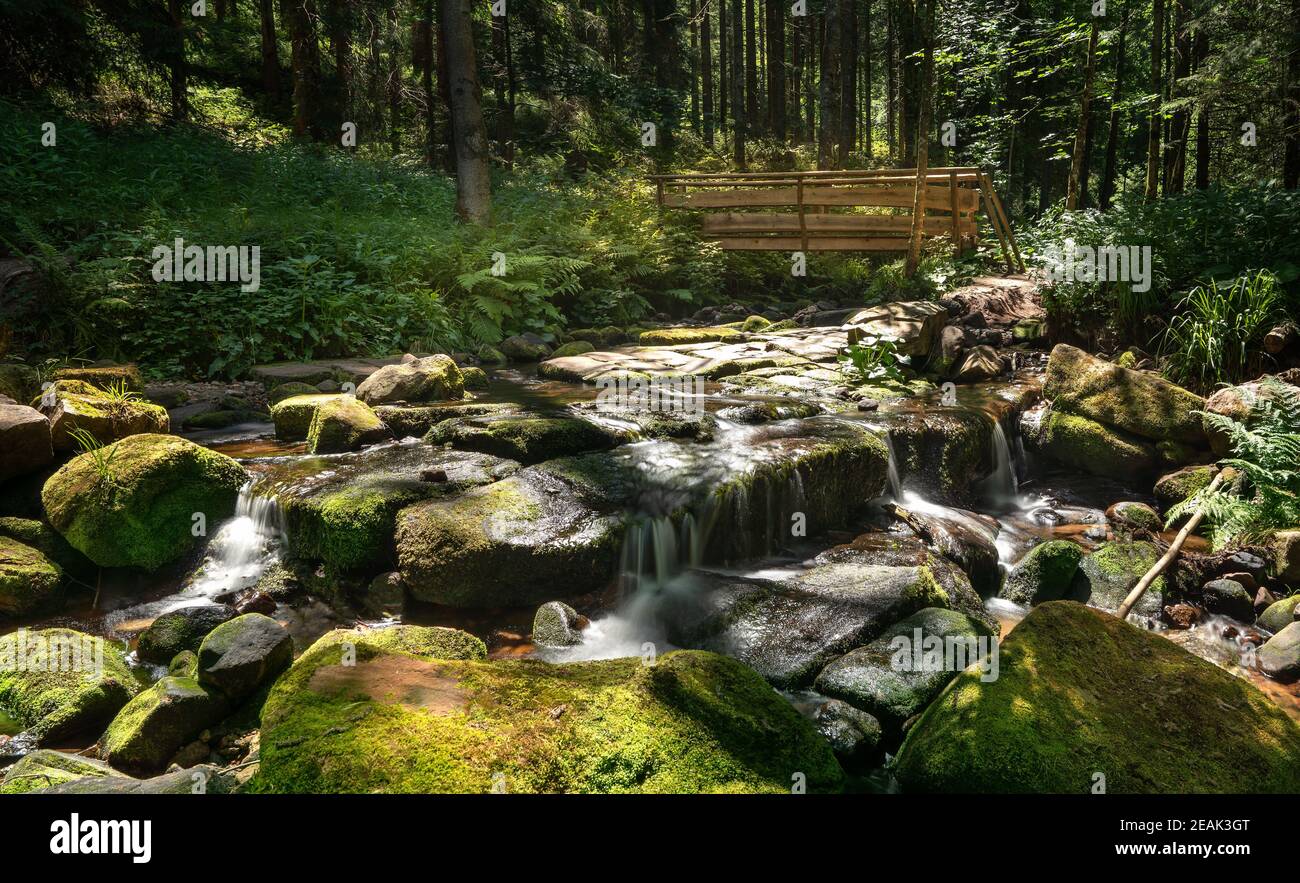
(179, 630)
(1280, 614)
(884, 677)
(255, 602)
(868, 405)
(1250, 563)
(1130, 516)
(1229, 598)
(527, 347)
(238, 656)
(525, 439)
(854, 735)
(1106, 576)
(1046, 573)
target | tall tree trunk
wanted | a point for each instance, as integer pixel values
(1180, 123)
(738, 83)
(695, 68)
(424, 61)
(178, 68)
(724, 68)
(340, 23)
(1203, 115)
(866, 83)
(394, 83)
(795, 87)
(811, 62)
(1291, 106)
(1154, 124)
(829, 89)
(1075, 186)
(706, 64)
(1112, 132)
(776, 89)
(473, 184)
(909, 86)
(305, 58)
(270, 49)
(924, 113)
(891, 79)
(444, 93)
(752, 115)
(505, 87)
(848, 79)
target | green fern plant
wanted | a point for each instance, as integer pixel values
(101, 456)
(1265, 493)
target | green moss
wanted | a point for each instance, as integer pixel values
(29, 582)
(1106, 576)
(105, 377)
(1137, 402)
(490, 355)
(86, 407)
(755, 323)
(293, 416)
(783, 325)
(45, 768)
(694, 722)
(142, 514)
(289, 390)
(1080, 692)
(56, 702)
(1044, 574)
(1279, 614)
(1088, 445)
(343, 424)
(1173, 488)
(154, 725)
(573, 348)
(474, 378)
(525, 439)
(678, 336)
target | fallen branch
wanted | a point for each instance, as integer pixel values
(1171, 553)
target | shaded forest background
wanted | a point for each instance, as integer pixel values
(1165, 123)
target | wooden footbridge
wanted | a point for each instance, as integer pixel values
(850, 210)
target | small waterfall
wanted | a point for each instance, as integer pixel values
(1001, 487)
(895, 479)
(242, 548)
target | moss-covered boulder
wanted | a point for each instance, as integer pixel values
(75, 697)
(1174, 487)
(343, 510)
(50, 543)
(1080, 693)
(1279, 614)
(344, 424)
(153, 726)
(1128, 516)
(915, 325)
(1087, 445)
(25, 440)
(293, 416)
(897, 674)
(76, 405)
(238, 656)
(1046, 573)
(180, 630)
(474, 378)
(401, 721)
(1285, 548)
(1105, 577)
(556, 624)
(572, 348)
(525, 347)
(1279, 657)
(1138, 402)
(105, 377)
(45, 768)
(525, 439)
(432, 379)
(679, 336)
(141, 513)
(29, 582)
(416, 420)
(942, 453)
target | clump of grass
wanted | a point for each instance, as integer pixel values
(1216, 327)
(101, 455)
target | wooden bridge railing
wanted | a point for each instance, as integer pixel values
(794, 208)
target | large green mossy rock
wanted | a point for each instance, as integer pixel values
(141, 514)
(526, 439)
(75, 693)
(1084, 444)
(679, 336)
(180, 630)
(944, 453)
(344, 424)
(396, 720)
(891, 678)
(431, 379)
(554, 530)
(343, 510)
(153, 726)
(29, 582)
(1046, 573)
(76, 405)
(1279, 614)
(1137, 402)
(50, 543)
(1080, 693)
(1174, 487)
(105, 376)
(292, 416)
(45, 768)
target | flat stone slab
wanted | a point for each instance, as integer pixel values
(356, 369)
